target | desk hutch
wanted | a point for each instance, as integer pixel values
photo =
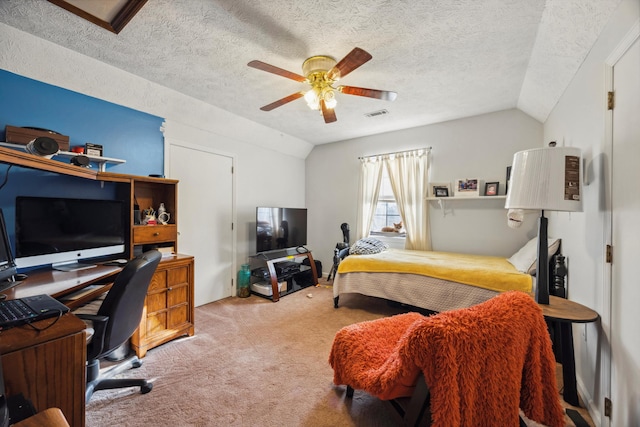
(169, 306)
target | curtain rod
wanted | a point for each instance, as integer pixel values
(397, 152)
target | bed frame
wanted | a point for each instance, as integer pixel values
(557, 273)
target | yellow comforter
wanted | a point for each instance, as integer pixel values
(487, 272)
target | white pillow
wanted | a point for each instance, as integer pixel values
(525, 259)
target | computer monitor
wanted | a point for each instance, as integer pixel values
(7, 262)
(64, 232)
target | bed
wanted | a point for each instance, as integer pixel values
(437, 281)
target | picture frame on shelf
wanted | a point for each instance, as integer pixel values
(440, 189)
(506, 186)
(491, 188)
(93, 149)
(467, 187)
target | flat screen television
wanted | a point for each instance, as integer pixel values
(280, 228)
(63, 232)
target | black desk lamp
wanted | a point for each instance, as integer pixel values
(545, 179)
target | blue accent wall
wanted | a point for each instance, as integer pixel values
(124, 134)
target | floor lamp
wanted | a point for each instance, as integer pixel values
(545, 179)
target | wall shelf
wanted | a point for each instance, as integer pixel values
(441, 200)
(101, 161)
(467, 198)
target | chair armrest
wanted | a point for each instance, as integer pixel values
(94, 318)
(95, 347)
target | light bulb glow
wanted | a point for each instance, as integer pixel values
(312, 99)
(329, 97)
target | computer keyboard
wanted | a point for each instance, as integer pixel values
(14, 312)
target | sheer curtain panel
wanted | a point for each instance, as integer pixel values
(408, 176)
(370, 178)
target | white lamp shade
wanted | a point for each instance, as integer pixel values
(546, 178)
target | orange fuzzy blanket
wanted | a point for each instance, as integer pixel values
(481, 363)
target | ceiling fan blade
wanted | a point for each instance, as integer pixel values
(353, 60)
(282, 101)
(329, 114)
(275, 70)
(370, 93)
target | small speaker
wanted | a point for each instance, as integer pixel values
(43, 146)
(80, 161)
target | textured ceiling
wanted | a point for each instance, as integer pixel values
(446, 59)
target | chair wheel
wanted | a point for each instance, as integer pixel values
(136, 363)
(146, 388)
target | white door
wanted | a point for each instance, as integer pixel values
(625, 238)
(205, 220)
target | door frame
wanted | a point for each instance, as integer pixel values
(168, 143)
(607, 289)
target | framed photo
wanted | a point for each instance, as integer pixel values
(467, 187)
(491, 188)
(93, 149)
(506, 187)
(440, 189)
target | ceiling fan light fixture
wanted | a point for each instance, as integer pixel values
(329, 97)
(312, 98)
(319, 63)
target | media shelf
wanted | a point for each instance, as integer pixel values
(279, 267)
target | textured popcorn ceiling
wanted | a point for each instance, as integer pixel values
(446, 59)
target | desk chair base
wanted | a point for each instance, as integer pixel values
(97, 380)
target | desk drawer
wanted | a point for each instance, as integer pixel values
(154, 234)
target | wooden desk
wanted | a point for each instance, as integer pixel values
(61, 283)
(563, 313)
(48, 367)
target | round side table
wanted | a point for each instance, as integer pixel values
(561, 314)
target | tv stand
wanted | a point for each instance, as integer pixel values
(296, 279)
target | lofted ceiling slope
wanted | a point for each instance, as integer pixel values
(446, 59)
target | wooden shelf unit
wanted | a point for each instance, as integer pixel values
(169, 305)
(148, 192)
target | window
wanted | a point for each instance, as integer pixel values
(387, 212)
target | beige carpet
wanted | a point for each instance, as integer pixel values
(252, 362)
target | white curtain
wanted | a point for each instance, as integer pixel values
(370, 178)
(409, 182)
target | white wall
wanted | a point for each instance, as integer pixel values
(579, 120)
(477, 147)
(266, 159)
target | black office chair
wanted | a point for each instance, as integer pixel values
(116, 320)
(341, 250)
